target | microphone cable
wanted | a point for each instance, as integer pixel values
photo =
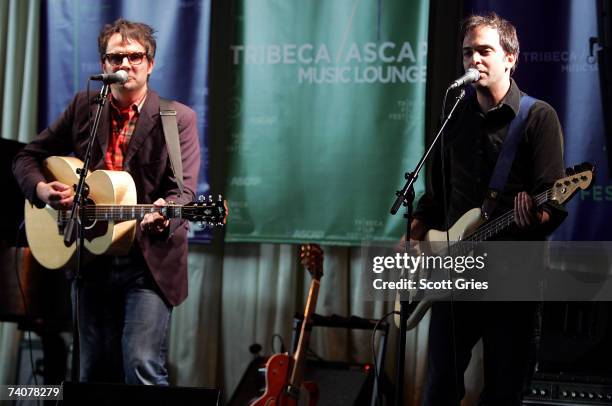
(377, 385)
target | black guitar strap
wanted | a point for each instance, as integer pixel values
(171, 134)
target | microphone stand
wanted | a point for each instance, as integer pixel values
(78, 206)
(405, 197)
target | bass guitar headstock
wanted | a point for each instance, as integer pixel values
(579, 177)
(311, 257)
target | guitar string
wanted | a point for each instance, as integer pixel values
(119, 212)
(495, 226)
(506, 219)
(482, 234)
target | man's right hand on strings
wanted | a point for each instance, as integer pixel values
(55, 194)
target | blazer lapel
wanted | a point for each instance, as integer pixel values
(144, 125)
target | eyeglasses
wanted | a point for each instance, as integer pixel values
(135, 58)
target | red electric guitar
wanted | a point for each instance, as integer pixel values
(285, 373)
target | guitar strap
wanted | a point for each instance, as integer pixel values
(506, 156)
(171, 134)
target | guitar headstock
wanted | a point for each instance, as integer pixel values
(579, 177)
(311, 257)
(209, 212)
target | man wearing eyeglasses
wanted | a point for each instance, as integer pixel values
(125, 302)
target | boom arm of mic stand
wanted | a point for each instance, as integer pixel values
(403, 194)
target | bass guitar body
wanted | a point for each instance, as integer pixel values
(468, 223)
(278, 369)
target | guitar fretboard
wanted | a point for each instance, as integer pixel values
(492, 228)
(499, 224)
(127, 212)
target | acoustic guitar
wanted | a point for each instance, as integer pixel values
(285, 373)
(110, 214)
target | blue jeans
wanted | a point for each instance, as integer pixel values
(124, 324)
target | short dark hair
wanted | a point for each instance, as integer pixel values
(507, 32)
(140, 32)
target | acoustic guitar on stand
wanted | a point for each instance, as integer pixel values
(284, 373)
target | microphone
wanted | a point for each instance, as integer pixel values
(120, 76)
(470, 76)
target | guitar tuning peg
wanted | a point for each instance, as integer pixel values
(210, 198)
(570, 171)
(201, 198)
(219, 198)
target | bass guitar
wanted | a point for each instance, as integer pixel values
(472, 228)
(110, 214)
(285, 373)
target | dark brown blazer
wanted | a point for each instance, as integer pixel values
(146, 159)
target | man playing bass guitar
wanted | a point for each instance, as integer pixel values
(472, 146)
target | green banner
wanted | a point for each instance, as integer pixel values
(328, 116)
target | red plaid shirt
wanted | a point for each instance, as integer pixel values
(123, 123)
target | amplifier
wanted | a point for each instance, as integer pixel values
(565, 390)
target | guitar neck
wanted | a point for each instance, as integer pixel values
(300, 352)
(501, 223)
(128, 212)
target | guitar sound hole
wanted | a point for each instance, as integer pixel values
(94, 228)
(89, 223)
